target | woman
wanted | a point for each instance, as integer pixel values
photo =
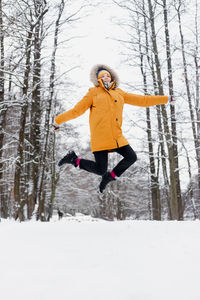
(105, 101)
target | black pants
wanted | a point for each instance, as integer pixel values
(100, 165)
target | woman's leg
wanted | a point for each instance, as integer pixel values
(130, 158)
(99, 166)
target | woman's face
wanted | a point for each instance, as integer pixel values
(106, 78)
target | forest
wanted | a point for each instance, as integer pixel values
(161, 43)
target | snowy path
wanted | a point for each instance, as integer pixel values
(83, 259)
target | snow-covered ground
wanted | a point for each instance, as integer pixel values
(88, 259)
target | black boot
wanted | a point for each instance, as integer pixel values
(106, 178)
(70, 158)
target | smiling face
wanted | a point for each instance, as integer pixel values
(105, 78)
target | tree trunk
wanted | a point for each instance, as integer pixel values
(194, 130)
(40, 212)
(197, 88)
(172, 110)
(155, 191)
(35, 134)
(173, 189)
(3, 109)
(19, 176)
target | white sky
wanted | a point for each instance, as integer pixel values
(97, 45)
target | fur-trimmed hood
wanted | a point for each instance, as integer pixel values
(96, 68)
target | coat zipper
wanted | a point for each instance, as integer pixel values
(111, 120)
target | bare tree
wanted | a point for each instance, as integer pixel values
(3, 108)
(154, 180)
(40, 212)
(172, 167)
(20, 189)
(172, 109)
(195, 125)
(147, 12)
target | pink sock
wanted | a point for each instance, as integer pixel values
(113, 174)
(78, 161)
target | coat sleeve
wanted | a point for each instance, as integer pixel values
(144, 101)
(77, 110)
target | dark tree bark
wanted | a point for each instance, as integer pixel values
(20, 179)
(40, 213)
(169, 142)
(172, 110)
(36, 107)
(155, 191)
(3, 109)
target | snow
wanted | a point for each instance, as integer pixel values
(81, 258)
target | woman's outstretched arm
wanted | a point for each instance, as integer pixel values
(143, 100)
(77, 110)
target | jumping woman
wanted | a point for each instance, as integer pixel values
(105, 101)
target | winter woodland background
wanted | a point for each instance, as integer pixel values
(47, 49)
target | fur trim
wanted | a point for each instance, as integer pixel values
(93, 74)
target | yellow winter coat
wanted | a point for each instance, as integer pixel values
(106, 108)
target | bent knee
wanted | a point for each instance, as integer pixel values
(132, 159)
